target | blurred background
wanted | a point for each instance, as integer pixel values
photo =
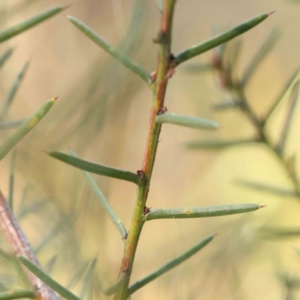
(102, 113)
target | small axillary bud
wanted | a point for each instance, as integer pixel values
(161, 38)
(153, 76)
(147, 210)
(161, 111)
(125, 237)
(141, 174)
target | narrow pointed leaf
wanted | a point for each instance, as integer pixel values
(224, 106)
(34, 207)
(48, 280)
(25, 25)
(25, 128)
(219, 39)
(288, 120)
(114, 52)
(234, 55)
(11, 124)
(95, 168)
(266, 188)
(117, 222)
(70, 219)
(289, 84)
(278, 233)
(17, 295)
(7, 54)
(11, 179)
(50, 264)
(77, 276)
(200, 211)
(87, 278)
(172, 264)
(218, 145)
(13, 91)
(186, 121)
(266, 47)
(90, 292)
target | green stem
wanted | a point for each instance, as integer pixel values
(159, 89)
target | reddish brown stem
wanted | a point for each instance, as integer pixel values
(163, 73)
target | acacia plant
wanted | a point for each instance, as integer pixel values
(167, 62)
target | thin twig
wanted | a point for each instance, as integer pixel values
(20, 245)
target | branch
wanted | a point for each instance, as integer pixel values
(20, 245)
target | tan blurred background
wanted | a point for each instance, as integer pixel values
(102, 113)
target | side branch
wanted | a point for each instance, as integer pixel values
(20, 245)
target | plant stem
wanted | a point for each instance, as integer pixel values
(239, 90)
(164, 70)
(16, 238)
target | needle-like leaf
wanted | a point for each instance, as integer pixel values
(117, 222)
(172, 264)
(13, 91)
(21, 294)
(219, 39)
(114, 52)
(87, 279)
(288, 120)
(5, 56)
(77, 275)
(218, 145)
(200, 211)
(266, 47)
(23, 26)
(232, 59)
(186, 121)
(68, 220)
(95, 168)
(11, 124)
(290, 82)
(266, 188)
(50, 264)
(48, 280)
(278, 233)
(25, 128)
(226, 105)
(12, 179)
(34, 207)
